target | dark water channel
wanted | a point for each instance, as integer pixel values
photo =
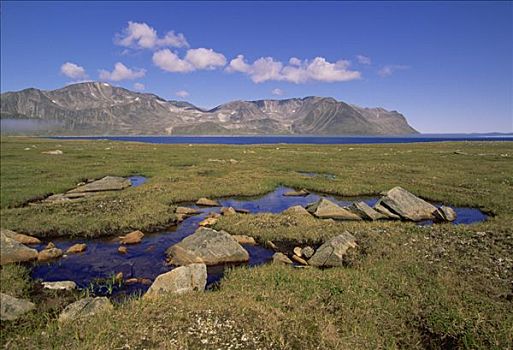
(101, 260)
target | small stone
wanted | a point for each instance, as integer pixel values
(307, 252)
(326, 209)
(12, 308)
(444, 214)
(77, 248)
(85, 308)
(281, 259)
(54, 152)
(186, 211)
(297, 251)
(132, 238)
(208, 222)
(299, 260)
(48, 254)
(207, 202)
(50, 245)
(243, 239)
(300, 193)
(119, 277)
(271, 245)
(60, 285)
(228, 211)
(122, 250)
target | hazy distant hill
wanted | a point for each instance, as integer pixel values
(100, 108)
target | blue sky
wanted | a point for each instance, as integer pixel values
(447, 66)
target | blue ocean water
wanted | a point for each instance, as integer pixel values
(289, 139)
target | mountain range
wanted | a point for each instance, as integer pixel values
(98, 108)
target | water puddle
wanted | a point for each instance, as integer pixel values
(137, 180)
(146, 260)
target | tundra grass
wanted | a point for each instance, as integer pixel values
(437, 287)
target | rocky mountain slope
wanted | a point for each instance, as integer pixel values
(103, 109)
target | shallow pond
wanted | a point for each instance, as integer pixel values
(147, 259)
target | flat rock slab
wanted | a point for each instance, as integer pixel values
(296, 210)
(77, 248)
(300, 193)
(108, 183)
(85, 308)
(12, 308)
(207, 202)
(407, 205)
(12, 251)
(183, 279)
(186, 211)
(326, 209)
(332, 252)
(24, 239)
(207, 246)
(366, 212)
(380, 208)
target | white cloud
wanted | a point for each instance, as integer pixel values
(170, 62)
(182, 93)
(298, 71)
(388, 70)
(277, 92)
(205, 58)
(73, 71)
(363, 59)
(142, 36)
(121, 72)
(139, 86)
(195, 59)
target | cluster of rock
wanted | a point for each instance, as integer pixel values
(91, 188)
(329, 254)
(396, 204)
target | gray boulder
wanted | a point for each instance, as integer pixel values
(307, 252)
(12, 251)
(332, 252)
(407, 205)
(445, 214)
(11, 308)
(325, 209)
(85, 308)
(366, 212)
(108, 183)
(180, 280)
(207, 246)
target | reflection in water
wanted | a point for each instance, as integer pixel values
(147, 259)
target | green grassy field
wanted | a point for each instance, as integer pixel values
(405, 287)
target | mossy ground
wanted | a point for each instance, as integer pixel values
(406, 287)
